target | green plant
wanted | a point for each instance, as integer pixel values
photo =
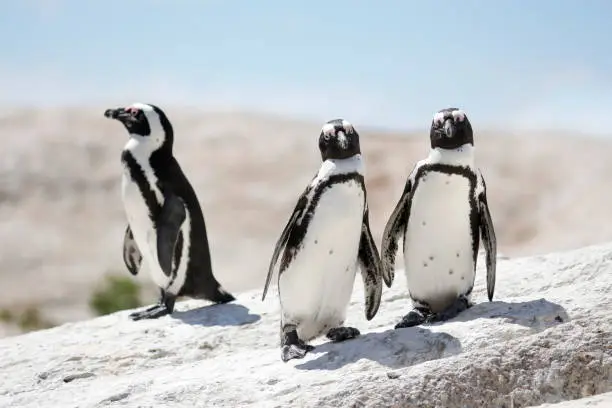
(27, 319)
(116, 293)
(6, 316)
(30, 319)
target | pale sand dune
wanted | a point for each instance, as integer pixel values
(61, 219)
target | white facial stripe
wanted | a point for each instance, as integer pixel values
(347, 125)
(143, 107)
(438, 118)
(328, 129)
(157, 136)
(458, 115)
(151, 115)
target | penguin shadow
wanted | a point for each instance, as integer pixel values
(539, 314)
(410, 346)
(391, 348)
(226, 314)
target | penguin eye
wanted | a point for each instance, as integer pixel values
(133, 111)
(327, 133)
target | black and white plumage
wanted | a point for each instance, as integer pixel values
(441, 215)
(324, 242)
(166, 229)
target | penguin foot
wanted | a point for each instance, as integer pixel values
(458, 306)
(153, 312)
(338, 334)
(291, 345)
(414, 318)
(163, 308)
(291, 351)
(149, 309)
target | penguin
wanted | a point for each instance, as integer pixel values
(325, 240)
(441, 215)
(165, 225)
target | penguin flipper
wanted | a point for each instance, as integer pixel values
(131, 254)
(168, 225)
(282, 240)
(487, 232)
(371, 268)
(395, 225)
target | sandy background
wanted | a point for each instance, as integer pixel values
(61, 218)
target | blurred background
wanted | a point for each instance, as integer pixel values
(247, 86)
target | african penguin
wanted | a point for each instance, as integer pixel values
(441, 214)
(324, 242)
(166, 229)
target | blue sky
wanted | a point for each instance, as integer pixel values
(544, 63)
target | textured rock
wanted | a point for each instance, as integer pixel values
(596, 401)
(545, 339)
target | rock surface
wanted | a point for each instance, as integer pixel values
(545, 339)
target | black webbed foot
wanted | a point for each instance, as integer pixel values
(154, 312)
(291, 345)
(458, 306)
(163, 308)
(415, 317)
(292, 351)
(338, 334)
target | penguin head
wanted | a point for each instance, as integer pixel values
(450, 129)
(145, 122)
(338, 140)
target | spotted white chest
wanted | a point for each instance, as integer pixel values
(438, 256)
(316, 287)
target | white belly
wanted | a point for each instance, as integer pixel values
(137, 215)
(438, 246)
(316, 287)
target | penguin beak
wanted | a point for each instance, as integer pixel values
(119, 114)
(449, 128)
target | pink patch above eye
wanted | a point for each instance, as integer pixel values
(131, 109)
